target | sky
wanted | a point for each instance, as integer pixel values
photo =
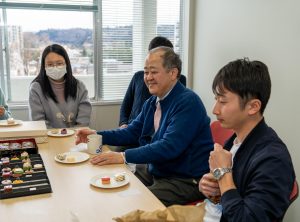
(35, 20)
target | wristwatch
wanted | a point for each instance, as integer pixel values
(219, 172)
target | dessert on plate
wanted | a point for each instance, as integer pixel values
(71, 159)
(63, 131)
(120, 177)
(10, 121)
(54, 131)
(105, 180)
(61, 156)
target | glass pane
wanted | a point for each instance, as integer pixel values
(30, 31)
(117, 47)
(168, 21)
(125, 29)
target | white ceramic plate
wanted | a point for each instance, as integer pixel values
(69, 133)
(4, 123)
(73, 157)
(96, 181)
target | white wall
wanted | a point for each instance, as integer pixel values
(266, 30)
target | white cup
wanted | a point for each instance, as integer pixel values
(131, 167)
(94, 144)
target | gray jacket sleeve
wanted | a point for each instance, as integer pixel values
(6, 114)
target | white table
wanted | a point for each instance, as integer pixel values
(73, 198)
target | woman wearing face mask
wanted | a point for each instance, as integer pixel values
(55, 95)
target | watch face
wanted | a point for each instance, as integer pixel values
(217, 173)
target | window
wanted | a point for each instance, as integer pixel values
(106, 40)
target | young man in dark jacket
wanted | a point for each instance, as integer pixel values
(253, 172)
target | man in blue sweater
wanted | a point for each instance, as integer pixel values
(253, 173)
(172, 133)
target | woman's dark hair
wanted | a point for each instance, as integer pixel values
(248, 79)
(42, 78)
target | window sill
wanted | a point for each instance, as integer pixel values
(21, 105)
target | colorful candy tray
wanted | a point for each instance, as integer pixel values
(33, 182)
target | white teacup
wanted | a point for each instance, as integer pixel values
(94, 144)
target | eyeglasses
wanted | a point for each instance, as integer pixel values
(57, 64)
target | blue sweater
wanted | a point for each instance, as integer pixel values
(137, 93)
(263, 174)
(180, 147)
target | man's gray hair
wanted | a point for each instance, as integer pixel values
(170, 58)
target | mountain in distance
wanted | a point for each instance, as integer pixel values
(73, 36)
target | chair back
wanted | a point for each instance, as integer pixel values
(295, 192)
(293, 196)
(220, 134)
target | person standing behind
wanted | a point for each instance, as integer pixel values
(4, 112)
(253, 172)
(55, 95)
(137, 92)
(172, 132)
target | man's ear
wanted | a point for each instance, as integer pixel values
(174, 73)
(254, 106)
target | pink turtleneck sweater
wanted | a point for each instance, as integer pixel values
(58, 89)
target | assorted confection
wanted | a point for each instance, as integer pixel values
(16, 145)
(119, 177)
(19, 167)
(38, 166)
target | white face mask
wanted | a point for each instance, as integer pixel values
(56, 72)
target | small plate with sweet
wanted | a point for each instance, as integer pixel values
(10, 122)
(60, 132)
(71, 157)
(110, 180)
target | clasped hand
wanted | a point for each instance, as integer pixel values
(219, 158)
(209, 186)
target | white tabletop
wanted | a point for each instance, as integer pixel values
(25, 129)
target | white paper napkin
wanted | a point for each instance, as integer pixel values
(79, 147)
